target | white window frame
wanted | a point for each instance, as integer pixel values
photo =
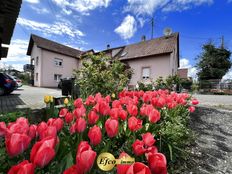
(57, 77)
(58, 62)
(36, 76)
(37, 61)
(146, 73)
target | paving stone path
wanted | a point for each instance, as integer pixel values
(212, 153)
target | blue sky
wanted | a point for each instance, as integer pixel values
(92, 24)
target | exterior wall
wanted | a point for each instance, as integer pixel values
(49, 69)
(159, 66)
(37, 52)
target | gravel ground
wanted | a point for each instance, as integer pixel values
(212, 153)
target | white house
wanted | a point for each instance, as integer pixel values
(52, 61)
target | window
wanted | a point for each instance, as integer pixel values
(37, 61)
(58, 62)
(146, 73)
(57, 77)
(36, 76)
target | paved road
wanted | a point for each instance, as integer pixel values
(26, 97)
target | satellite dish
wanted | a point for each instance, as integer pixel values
(167, 31)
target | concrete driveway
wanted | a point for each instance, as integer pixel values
(223, 101)
(26, 97)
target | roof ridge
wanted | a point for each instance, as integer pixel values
(34, 35)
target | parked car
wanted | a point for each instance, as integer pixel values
(7, 84)
(17, 80)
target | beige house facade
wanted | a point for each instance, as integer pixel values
(52, 61)
(148, 59)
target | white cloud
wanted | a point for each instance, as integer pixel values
(40, 10)
(127, 28)
(83, 6)
(227, 76)
(148, 7)
(192, 71)
(16, 55)
(32, 1)
(57, 28)
(141, 7)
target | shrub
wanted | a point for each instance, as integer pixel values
(145, 125)
(100, 73)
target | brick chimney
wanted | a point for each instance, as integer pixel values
(143, 38)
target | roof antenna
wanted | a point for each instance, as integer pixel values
(152, 27)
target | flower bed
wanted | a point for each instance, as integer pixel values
(150, 127)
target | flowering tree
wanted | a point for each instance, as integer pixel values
(148, 126)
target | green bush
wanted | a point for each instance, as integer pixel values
(100, 73)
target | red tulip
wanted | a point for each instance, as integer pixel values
(63, 112)
(148, 139)
(49, 131)
(111, 126)
(157, 163)
(58, 123)
(104, 108)
(95, 135)
(114, 112)
(80, 125)
(116, 104)
(122, 168)
(191, 108)
(72, 170)
(146, 97)
(93, 117)
(90, 100)
(138, 168)
(154, 116)
(85, 157)
(2, 129)
(122, 114)
(43, 152)
(21, 126)
(195, 102)
(160, 102)
(132, 109)
(134, 124)
(83, 146)
(78, 103)
(138, 147)
(69, 117)
(79, 112)
(41, 127)
(16, 143)
(72, 128)
(108, 98)
(33, 131)
(143, 110)
(150, 151)
(22, 168)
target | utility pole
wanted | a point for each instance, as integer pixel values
(152, 27)
(222, 42)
